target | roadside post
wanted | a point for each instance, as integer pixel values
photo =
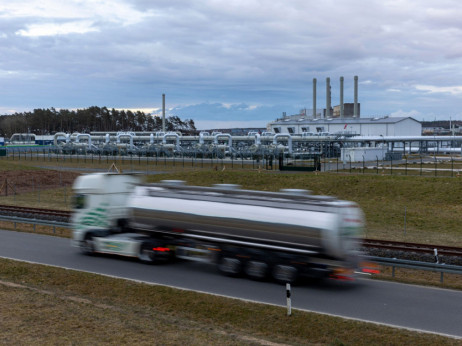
(289, 300)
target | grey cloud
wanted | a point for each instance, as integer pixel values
(253, 52)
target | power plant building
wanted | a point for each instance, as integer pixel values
(344, 119)
(384, 126)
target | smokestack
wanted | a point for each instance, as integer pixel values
(327, 97)
(341, 97)
(163, 113)
(314, 98)
(355, 109)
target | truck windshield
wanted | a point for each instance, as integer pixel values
(78, 201)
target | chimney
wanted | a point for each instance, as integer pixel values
(327, 97)
(355, 109)
(341, 98)
(314, 98)
(163, 113)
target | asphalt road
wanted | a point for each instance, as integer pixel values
(406, 306)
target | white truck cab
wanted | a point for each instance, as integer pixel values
(100, 202)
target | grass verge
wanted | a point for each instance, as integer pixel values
(40, 304)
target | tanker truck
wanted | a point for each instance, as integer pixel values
(282, 235)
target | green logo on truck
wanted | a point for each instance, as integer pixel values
(95, 218)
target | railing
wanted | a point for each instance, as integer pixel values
(436, 267)
(35, 222)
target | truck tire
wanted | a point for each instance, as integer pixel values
(230, 266)
(284, 273)
(256, 270)
(87, 246)
(146, 255)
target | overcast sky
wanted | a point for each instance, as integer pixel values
(232, 63)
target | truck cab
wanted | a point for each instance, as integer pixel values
(100, 203)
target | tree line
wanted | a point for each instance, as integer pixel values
(50, 121)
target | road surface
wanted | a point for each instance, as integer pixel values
(406, 306)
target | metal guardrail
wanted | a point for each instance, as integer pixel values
(437, 267)
(34, 222)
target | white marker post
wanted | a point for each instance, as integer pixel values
(289, 301)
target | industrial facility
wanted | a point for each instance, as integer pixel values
(336, 132)
(343, 119)
(385, 126)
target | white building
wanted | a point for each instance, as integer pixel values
(386, 126)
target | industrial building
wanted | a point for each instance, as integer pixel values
(342, 120)
(347, 126)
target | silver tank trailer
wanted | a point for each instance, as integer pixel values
(291, 220)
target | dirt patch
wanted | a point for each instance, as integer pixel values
(27, 181)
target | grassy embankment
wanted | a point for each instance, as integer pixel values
(48, 305)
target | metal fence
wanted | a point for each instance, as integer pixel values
(148, 163)
(414, 165)
(409, 165)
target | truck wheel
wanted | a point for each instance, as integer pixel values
(230, 266)
(284, 273)
(256, 270)
(146, 255)
(87, 246)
